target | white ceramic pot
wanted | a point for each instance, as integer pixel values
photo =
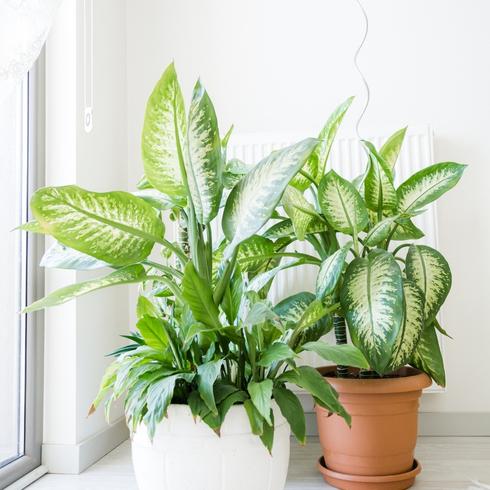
(188, 455)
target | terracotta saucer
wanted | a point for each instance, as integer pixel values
(358, 482)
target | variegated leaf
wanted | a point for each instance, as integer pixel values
(252, 201)
(291, 309)
(429, 270)
(159, 200)
(327, 136)
(300, 211)
(427, 185)
(285, 229)
(316, 164)
(372, 300)
(261, 280)
(164, 132)
(253, 253)
(330, 272)
(380, 231)
(379, 191)
(407, 230)
(115, 227)
(427, 356)
(204, 164)
(391, 149)
(413, 325)
(60, 257)
(313, 313)
(341, 204)
(126, 275)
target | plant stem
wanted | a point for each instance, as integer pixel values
(390, 236)
(340, 339)
(307, 176)
(397, 249)
(164, 268)
(170, 284)
(175, 249)
(225, 278)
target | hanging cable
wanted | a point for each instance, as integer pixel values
(364, 81)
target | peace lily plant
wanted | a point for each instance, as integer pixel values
(206, 337)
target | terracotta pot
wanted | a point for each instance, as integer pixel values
(187, 455)
(384, 414)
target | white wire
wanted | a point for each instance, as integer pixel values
(363, 78)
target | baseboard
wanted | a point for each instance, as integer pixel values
(474, 424)
(73, 459)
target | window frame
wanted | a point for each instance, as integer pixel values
(33, 341)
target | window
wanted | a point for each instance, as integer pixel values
(20, 281)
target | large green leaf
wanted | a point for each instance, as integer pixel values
(199, 297)
(300, 211)
(164, 132)
(330, 272)
(207, 375)
(204, 163)
(278, 351)
(60, 257)
(379, 191)
(153, 332)
(261, 396)
(341, 204)
(427, 356)
(429, 270)
(115, 227)
(427, 185)
(344, 355)
(252, 201)
(372, 300)
(159, 397)
(413, 325)
(391, 149)
(313, 382)
(254, 417)
(127, 275)
(292, 411)
(317, 162)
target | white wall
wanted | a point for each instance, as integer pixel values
(79, 334)
(282, 65)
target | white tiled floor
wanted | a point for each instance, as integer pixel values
(448, 463)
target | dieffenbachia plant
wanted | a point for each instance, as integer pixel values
(206, 334)
(373, 275)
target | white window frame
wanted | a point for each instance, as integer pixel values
(33, 280)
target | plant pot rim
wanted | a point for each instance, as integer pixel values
(407, 379)
(382, 479)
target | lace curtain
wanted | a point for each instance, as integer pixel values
(24, 27)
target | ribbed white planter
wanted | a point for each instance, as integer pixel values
(188, 455)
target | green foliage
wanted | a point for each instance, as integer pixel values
(389, 298)
(206, 334)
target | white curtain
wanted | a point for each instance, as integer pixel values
(24, 27)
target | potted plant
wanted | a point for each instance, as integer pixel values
(385, 291)
(204, 376)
